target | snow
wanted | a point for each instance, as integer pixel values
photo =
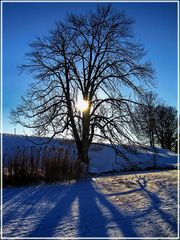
(102, 157)
(127, 205)
(136, 204)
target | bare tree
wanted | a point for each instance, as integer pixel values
(145, 117)
(155, 121)
(166, 125)
(94, 56)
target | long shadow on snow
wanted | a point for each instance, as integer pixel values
(20, 202)
(95, 219)
(63, 209)
(92, 222)
(155, 205)
(33, 206)
(13, 202)
(47, 225)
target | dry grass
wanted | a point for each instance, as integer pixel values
(35, 164)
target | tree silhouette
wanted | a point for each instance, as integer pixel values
(145, 117)
(155, 121)
(166, 125)
(92, 56)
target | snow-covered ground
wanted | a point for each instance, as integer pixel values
(127, 205)
(102, 157)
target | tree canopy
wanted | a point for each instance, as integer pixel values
(93, 57)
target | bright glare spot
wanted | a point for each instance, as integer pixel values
(82, 105)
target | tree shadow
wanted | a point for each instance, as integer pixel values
(16, 199)
(104, 212)
(31, 206)
(155, 204)
(59, 207)
(17, 193)
(91, 220)
(50, 211)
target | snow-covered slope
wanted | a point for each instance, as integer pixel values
(102, 157)
(144, 158)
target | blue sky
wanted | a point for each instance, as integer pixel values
(155, 27)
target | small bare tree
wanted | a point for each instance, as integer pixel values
(155, 121)
(94, 56)
(166, 125)
(145, 117)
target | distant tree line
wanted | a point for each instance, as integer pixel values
(156, 122)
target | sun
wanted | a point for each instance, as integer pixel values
(82, 105)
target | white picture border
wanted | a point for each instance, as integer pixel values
(1, 125)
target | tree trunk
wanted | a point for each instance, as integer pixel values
(83, 161)
(169, 146)
(151, 137)
(84, 146)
